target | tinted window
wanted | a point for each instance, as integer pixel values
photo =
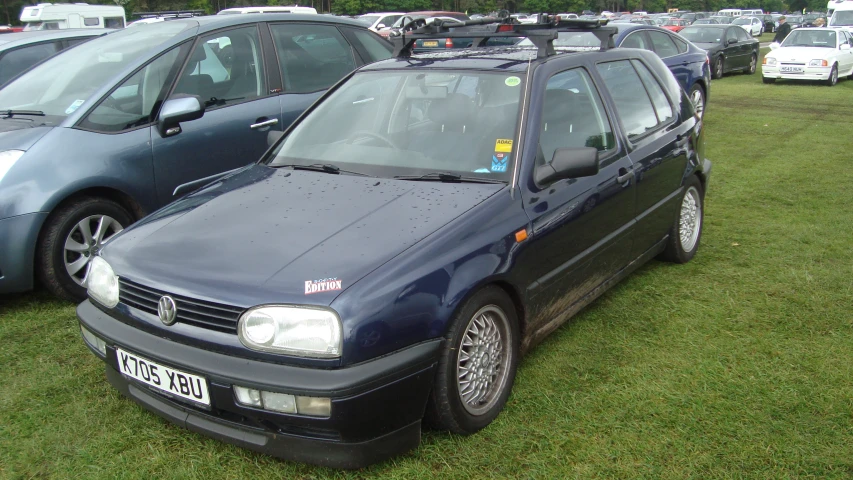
(664, 46)
(663, 108)
(225, 68)
(376, 48)
(312, 57)
(635, 40)
(731, 34)
(680, 44)
(135, 102)
(21, 59)
(628, 93)
(70, 42)
(92, 22)
(572, 115)
(742, 36)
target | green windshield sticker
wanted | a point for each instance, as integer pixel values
(512, 81)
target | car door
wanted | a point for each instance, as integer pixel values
(745, 45)
(227, 71)
(658, 143)
(844, 55)
(311, 58)
(735, 55)
(581, 227)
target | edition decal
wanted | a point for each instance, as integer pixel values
(322, 285)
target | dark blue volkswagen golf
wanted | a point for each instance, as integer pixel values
(408, 239)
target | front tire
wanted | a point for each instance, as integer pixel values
(477, 366)
(753, 65)
(718, 68)
(833, 76)
(697, 98)
(687, 230)
(72, 235)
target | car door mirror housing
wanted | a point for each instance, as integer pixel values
(178, 109)
(731, 41)
(381, 25)
(774, 46)
(568, 163)
(845, 46)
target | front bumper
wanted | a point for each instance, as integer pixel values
(377, 405)
(809, 73)
(18, 236)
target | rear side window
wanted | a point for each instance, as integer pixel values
(630, 96)
(663, 109)
(680, 44)
(21, 59)
(113, 22)
(92, 22)
(663, 43)
(312, 57)
(376, 48)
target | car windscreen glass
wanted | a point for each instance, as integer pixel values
(844, 18)
(368, 19)
(703, 35)
(810, 38)
(742, 21)
(395, 123)
(62, 83)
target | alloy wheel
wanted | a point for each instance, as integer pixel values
(690, 219)
(698, 100)
(84, 242)
(482, 364)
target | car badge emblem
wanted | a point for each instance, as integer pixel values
(166, 310)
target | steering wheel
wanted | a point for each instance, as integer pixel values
(378, 136)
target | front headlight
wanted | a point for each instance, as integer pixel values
(102, 283)
(818, 62)
(769, 61)
(7, 159)
(303, 331)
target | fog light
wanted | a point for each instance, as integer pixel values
(94, 341)
(279, 402)
(314, 406)
(248, 396)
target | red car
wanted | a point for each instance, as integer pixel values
(675, 24)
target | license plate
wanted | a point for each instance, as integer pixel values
(429, 43)
(173, 382)
(791, 69)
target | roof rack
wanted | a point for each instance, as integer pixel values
(171, 13)
(542, 34)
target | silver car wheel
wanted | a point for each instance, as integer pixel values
(83, 243)
(690, 219)
(698, 100)
(482, 364)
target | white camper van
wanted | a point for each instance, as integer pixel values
(274, 9)
(833, 5)
(842, 17)
(730, 12)
(56, 16)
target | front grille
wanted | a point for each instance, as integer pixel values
(213, 316)
(792, 63)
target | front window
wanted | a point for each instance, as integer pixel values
(810, 38)
(842, 19)
(394, 123)
(63, 83)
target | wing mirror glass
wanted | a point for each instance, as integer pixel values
(774, 46)
(178, 109)
(568, 163)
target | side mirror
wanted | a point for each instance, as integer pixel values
(774, 46)
(178, 109)
(568, 163)
(845, 46)
(731, 41)
(273, 136)
(381, 25)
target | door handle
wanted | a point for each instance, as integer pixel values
(267, 123)
(625, 177)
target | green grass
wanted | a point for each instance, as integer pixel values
(738, 364)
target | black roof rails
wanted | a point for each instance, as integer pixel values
(542, 34)
(171, 13)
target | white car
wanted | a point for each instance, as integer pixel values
(810, 54)
(752, 25)
(380, 20)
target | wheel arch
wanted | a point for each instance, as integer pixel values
(126, 201)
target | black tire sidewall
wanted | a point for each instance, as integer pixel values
(719, 63)
(445, 410)
(50, 255)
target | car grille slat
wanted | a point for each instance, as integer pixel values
(191, 311)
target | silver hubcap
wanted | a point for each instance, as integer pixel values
(719, 68)
(690, 221)
(752, 63)
(85, 241)
(483, 360)
(834, 75)
(698, 102)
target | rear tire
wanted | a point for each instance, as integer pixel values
(476, 369)
(697, 97)
(72, 235)
(686, 232)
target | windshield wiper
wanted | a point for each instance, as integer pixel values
(323, 167)
(9, 113)
(447, 177)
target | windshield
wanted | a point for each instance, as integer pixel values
(742, 21)
(810, 38)
(61, 84)
(844, 18)
(393, 123)
(368, 19)
(674, 22)
(703, 35)
(793, 19)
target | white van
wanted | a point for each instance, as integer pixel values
(842, 17)
(834, 4)
(290, 9)
(730, 12)
(751, 13)
(57, 16)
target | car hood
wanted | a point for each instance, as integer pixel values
(19, 134)
(786, 54)
(268, 235)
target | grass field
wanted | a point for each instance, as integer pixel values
(736, 365)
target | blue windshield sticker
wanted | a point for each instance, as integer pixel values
(499, 162)
(74, 106)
